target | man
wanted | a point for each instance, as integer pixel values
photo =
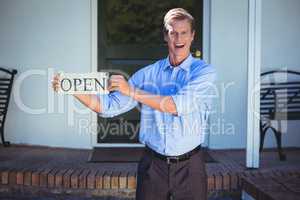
(174, 97)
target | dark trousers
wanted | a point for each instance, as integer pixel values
(184, 180)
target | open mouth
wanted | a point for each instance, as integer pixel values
(179, 46)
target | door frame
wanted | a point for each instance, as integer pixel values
(253, 91)
(94, 62)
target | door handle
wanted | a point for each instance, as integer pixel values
(197, 53)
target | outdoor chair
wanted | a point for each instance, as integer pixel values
(6, 82)
(279, 101)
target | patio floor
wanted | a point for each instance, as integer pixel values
(43, 170)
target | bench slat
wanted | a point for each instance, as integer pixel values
(282, 83)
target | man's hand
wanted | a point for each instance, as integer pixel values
(118, 83)
(56, 82)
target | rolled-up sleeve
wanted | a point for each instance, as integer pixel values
(115, 103)
(197, 94)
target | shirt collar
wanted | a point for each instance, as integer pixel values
(184, 65)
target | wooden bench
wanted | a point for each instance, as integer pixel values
(6, 82)
(279, 101)
(271, 188)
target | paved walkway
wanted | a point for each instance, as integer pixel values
(80, 198)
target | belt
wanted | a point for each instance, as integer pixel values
(174, 159)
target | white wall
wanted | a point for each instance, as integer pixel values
(37, 35)
(281, 50)
(229, 22)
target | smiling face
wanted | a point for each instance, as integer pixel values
(179, 39)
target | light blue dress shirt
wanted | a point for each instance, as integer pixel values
(190, 85)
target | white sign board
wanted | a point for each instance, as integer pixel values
(86, 83)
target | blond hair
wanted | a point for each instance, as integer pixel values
(177, 14)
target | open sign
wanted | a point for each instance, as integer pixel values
(86, 83)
